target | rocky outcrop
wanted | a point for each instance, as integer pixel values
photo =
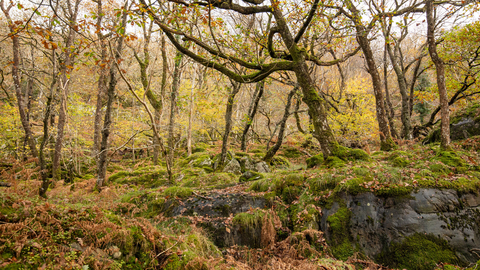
(375, 222)
(465, 128)
(214, 212)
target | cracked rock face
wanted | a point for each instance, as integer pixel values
(378, 221)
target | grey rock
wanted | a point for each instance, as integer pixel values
(377, 221)
(206, 162)
(247, 163)
(233, 166)
(465, 128)
(262, 167)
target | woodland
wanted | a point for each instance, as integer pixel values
(239, 134)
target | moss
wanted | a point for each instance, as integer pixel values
(241, 154)
(340, 151)
(358, 154)
(340, 243)
(176, 191)
(88, 176)
(419, 251)
(280, 162)
(359, 171)
(439, 168)
(304, 218)
(388, 145)
(150, 176)
(450, 158)
(252, 176)
(353, 186)
(249, 220)
(261, 185)
(325, 182)
(334, 162)
(314, 161)
(400, 162)
(291, 152)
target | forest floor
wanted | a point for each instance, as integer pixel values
(215, 220)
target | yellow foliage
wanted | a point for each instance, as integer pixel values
(357, 118)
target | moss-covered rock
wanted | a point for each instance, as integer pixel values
(291, 152)
(176, 191)
(334, 162)
(249, 176)
(340, 242)
(419, 251)
(150, 176)
(450, 158)
(280, 162)
(314, 161)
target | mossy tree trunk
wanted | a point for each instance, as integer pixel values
(283, 123)
(252, 111)
(316, 104)
(102, 159)
(233, 91)
(388, 103)
(102, 81)
(386, 142)
(48, 110)
(177, 73)
(63, 88)
(16, 75)
(440, 70)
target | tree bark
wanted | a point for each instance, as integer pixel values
(158, 111)
(439, 66)
(102, 82)
(102, 160)
(228, 122)
(402, 86)
(65, 69)
(389, 107)
(16, 80)
(259, 88)
(177, 73)
(297, 116)
(272, 151)
(316, 104)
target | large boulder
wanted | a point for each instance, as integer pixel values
(374, 223)
(233, 166)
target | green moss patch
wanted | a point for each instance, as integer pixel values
(340, 242)
(291, 152)
(419, 251)
(180, 192)
(152, 176)
(450, 158)
(314, 161)
(280, 162)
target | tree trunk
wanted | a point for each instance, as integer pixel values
(41, 155)
(228, 122)
(388, 102)
(16, 81)
(316, 104)
(102, 160)
(190, 114)
(297, 117)
(65, 69)
(272, 151)
(386, 142)
(260, 86)
(102, 82)
(177, 73)
(439, 66)
(402, 86)
(158, 112)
